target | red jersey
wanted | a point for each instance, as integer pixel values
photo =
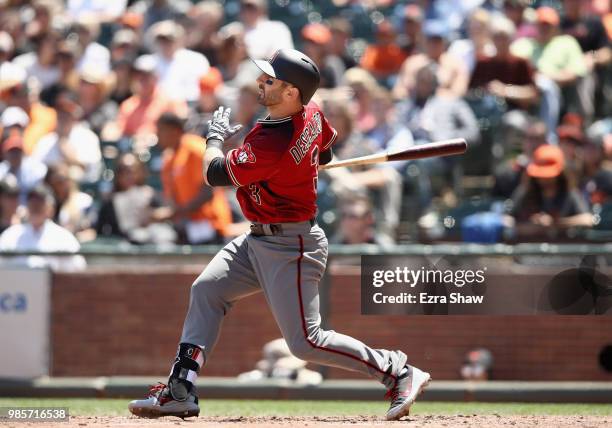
(276, 168)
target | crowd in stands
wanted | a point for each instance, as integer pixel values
(103, 105)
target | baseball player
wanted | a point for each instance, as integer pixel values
(285, 252)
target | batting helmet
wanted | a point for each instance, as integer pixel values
(293, 67)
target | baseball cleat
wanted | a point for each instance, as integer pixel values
(160, 402)
(405, 392)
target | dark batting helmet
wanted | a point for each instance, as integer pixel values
(293, 67)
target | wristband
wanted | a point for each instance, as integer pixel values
(214, 142)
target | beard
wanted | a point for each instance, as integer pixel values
(269, 98)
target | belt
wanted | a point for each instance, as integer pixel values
(262, 229)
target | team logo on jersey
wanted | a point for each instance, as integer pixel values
(311, 131)
(245, 154)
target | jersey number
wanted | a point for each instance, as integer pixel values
(255, 190)
(314, 161)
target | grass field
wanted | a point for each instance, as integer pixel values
(115, 407)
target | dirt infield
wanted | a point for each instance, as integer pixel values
(429, 421)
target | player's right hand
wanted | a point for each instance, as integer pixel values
(219, 127)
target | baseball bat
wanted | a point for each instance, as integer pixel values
(455, 146)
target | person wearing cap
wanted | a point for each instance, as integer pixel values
(547, 201)
(342, 31)
(87, 30)
(139, 113)
(14, 91)
(384, 57)
(28, 170)
(39, 233)
(559, 58)
(124, 45)
(453, 76)
(178, 69)
(92, 92)
(275, 172)
(40, 63)
(411, 35)
(13, 121)
(9, 203)
(315, 40)
(262, 36)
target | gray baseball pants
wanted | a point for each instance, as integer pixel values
(287, 267)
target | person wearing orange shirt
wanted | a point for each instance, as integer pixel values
(200, 212)
(385, 57)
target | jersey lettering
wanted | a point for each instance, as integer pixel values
(310, 133)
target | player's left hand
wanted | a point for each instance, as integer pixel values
(219, 127)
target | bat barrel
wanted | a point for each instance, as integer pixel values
(456, 146)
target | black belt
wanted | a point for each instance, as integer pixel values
(261, 229)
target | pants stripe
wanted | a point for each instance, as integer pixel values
(311, 343)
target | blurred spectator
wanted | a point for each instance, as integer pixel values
(508, 174)
(13, 121)
(9, 203)
(14, 91)
(129, 211)
(207, 102)
(178, 69)
(233, 63)
(342, 32)
(124, 45)
(199, 212)
(72, 207)
(411, 36)
(315, 39)
(384, 57)
(262, 36)
(66, 57)
(95, 107)
(40, 64)
(71, 142)
(139, 113)
(95, 55)
(364, 88)
(357, 225)
(477, 365)
(478, 44)
(206, 17)
(28, 171)
(558, 58)
(40, 233)
(154, 11)
(382, 182)
(515, 11)
(572, 142)
(505, 75)
(547, 199)
(122, 82)
(452, 75)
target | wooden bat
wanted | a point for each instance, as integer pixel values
(456, 146)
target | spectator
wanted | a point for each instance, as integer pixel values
(129, 211)
(7, 47)
(478, 44)
(515, 11)
(342, 32)
(28, 171)
(66, 57)
(557, 58)
(40, 233)
(40, 64)
(92, 92)
(199, 212)
(13, 121)
(124, 45)
(547, 199)
(95, 55)
(105, 11)
(505, 75)
(207, 102)
(382, 182)
(234, 64)
(384, 58)
(139, 113)
(452, 75)
(477, 365)
(9, 203)
(154, 11)
(122, 82)
(179, 69)
(315, 39)
(71, 142)
(356, 223)
(262, 36)
(206, 17)
(364, 88)
(14, 91)
(72, 207)
(411, 37)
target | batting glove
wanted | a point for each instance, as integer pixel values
(219, 127)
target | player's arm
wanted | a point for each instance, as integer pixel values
(219, 130)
